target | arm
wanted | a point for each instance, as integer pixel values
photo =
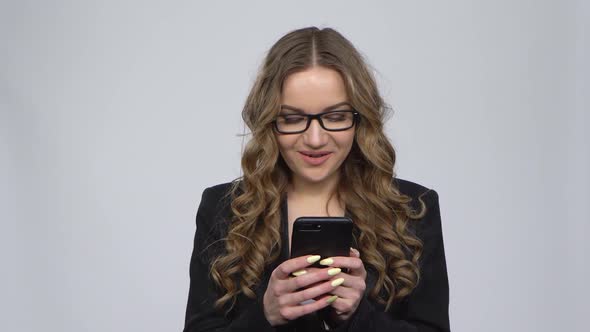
(200, 312)
(426, 308)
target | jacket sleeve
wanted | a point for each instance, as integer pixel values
(201, 315)
(426, 308)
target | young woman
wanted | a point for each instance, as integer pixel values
(317, 149)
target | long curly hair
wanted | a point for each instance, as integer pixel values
(379, 211)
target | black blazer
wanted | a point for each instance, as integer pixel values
(425, 309)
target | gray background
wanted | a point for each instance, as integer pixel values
(115, 115)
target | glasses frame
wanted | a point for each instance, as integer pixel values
(356, 117)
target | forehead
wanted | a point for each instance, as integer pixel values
(314, 89)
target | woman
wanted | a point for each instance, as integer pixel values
(317, 149)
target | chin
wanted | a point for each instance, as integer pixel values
(316, 178)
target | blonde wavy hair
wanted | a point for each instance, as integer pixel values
(379, 211)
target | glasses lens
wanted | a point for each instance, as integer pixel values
(338, 120)
(289, 123)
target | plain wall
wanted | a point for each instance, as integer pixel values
(115, 115)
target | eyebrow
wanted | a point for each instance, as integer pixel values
(299, 110)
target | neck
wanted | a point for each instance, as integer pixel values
(317, 191)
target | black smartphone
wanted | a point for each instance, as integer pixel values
(324, 236)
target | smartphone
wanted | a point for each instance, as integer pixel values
(324, 236)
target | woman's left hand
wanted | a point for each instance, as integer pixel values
(352, 290)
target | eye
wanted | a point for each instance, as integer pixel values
(291, 118)
(337, 116)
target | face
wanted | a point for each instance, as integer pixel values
(313, 91)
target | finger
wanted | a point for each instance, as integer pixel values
(354, 264)
(346, 292)
(304, 271)
(308, 280)
(354, 282)
(343, 306)
(355, 253)
(314, 292)
(294, 312)
(294, 264)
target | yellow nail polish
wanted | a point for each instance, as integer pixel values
(334, 271)
(299, 273)
(313, 259)
(332, 298)
(327, 261)
(337, 282)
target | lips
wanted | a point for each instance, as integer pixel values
(315, 154)
(315, 158)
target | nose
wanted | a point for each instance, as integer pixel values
(315, 136)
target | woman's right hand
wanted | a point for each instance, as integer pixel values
(284, 294)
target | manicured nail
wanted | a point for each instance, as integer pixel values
(334, 271)
(332, 298)
(313, 259)
(299, 273)
(327, 261)
(337, 282)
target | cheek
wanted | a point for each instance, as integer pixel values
(285, 143)
(345, 140)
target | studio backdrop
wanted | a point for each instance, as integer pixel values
(115, 115)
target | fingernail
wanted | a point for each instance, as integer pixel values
(299, 273)
(332, 298)
(313, 259)
(334, 271)
(337, 282)
(327, 261)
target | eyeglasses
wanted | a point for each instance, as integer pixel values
(330, 121)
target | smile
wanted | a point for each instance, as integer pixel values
(315, 159)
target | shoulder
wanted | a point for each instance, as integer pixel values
(218, 190)
(212, 219)
(217, 197)
(215, 205)
(417, 192)
(429, 226)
